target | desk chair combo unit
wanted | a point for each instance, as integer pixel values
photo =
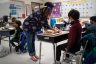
(76, 58)
(53, 39)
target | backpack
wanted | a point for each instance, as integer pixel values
(23, 44)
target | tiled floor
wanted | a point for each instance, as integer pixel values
(13, 58)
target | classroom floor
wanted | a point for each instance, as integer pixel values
(14, 58)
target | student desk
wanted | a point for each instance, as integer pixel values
(7, 33)
(54, 39)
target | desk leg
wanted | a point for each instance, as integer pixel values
(40, 52)
(0, 40)
(10, 45)
(54, 48)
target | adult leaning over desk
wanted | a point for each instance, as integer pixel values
(33, 24)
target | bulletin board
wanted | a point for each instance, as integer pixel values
(56, 10)
(17, 8)
(85, 7)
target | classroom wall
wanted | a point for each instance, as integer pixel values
(40, 1)
(3, 1)
(26, 1)
(52, 1)
(20, 8)
(4, 9)
(29, 1)
(86, 7)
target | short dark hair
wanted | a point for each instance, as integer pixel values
(74, 14)
(93, 18)
(49, 4)
(18, 22)
(13, 19)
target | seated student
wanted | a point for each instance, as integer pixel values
(17, 33)
(91, 44)
(90, 37)
(74, 36)
(91, 57)
(92, 27)
(12, 21)
(89, 29)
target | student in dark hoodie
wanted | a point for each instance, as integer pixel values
(33, 24)
(92, 27)
(91, 38)
(16, 37)
(74, 36)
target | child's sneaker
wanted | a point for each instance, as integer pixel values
(67, 60)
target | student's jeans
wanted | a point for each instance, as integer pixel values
(62, 47)
(58, 50)
(30, 39)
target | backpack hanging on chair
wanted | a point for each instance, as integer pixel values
(23, 44)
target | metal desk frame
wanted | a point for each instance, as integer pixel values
(51, 39)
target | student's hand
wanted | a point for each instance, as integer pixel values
(56, 30)
(49, 32)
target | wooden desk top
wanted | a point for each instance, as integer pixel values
(54, 35)
(6, 30)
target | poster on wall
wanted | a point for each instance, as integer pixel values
(85, 7)
(56, 10)
(13, 9)
(17, 9)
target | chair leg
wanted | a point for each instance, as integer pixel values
(54, 48)
(63, 57)
(40, 52)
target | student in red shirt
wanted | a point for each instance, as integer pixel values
(74, 36)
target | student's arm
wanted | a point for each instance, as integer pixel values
(17, 33)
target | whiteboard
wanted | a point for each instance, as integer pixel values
(5, 10)
(20, 8)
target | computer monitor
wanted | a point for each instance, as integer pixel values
(60, 26)
(5, 18)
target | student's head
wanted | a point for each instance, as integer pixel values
(93, 19)
(17, 23)
(49, 4)
(13, 19)
(73, 14)
(47, 10)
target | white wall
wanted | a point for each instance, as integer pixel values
(52, 0)
(4, 9)
(29, 1)
(26, 1)
(40, 1)
(3, 1)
